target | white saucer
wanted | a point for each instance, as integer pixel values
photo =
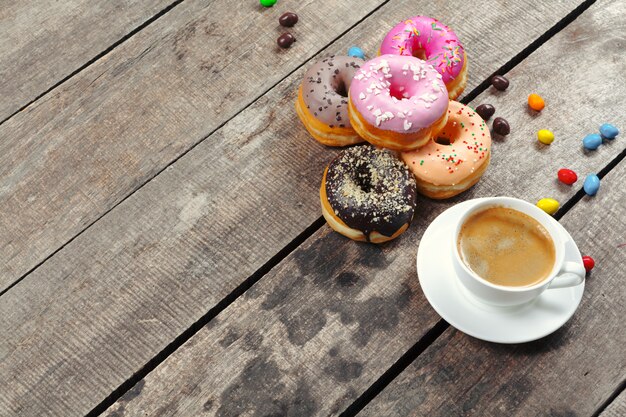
(458, 307)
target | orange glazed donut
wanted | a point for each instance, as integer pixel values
(398, 102)
(442, 170)
(322, 103)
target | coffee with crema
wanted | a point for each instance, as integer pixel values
(506, 247)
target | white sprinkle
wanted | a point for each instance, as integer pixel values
(359, 76)
(362, 96)
(405, 67)
(370, 107)
(400, 114)
(407, 124)
(389, 115)
(377, 112)
(401, 88)
(439, 76)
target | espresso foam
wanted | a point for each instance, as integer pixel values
(506, 247)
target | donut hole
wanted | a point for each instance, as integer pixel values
(363, 180)
(419, 53)
(401, 92)
(341, 89)
(452, 130)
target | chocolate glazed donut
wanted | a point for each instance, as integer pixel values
(322, 103)
(368, 194)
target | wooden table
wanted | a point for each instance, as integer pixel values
(162, 247)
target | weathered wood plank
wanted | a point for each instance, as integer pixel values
(569, 373)
(45, 41)
(617, 408)
(107, 302)
(76, 153)
(119, 293)
(325, 323)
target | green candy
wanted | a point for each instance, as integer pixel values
(267, 3)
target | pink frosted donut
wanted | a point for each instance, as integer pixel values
(397, 102)
(437, 44)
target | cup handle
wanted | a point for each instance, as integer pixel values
(571, 275)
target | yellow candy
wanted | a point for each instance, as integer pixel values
(545, 136)
(549, 205)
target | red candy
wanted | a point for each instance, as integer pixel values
(589, 263)
(567, 176)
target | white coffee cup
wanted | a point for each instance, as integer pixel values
(563, 274)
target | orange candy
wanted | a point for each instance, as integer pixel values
(535, 102)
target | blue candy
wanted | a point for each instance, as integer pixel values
(356, 52)
(591, 184)
(608, 131)
(592, 141)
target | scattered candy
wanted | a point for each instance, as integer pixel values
(499, 82)
(285, 40)
(535, 102)
(545, 136)
(549, 205)
(592, 141)
(267, 3)
(356, 52)
(567, 176)
(608, 131)
(591, 184)
(288, 19)
(589, 263)
(501, 126)
(485, 111)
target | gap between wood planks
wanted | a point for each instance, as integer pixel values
(97, 57)
(621, 387)
(410, 355)
(186, 151)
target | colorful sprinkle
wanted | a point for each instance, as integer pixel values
(591, 184)
(589, 263)
(535, 102)
(356, 52)
(608, 131)
(567, 176)
(549, 205)
(592, 141)
(545, 136)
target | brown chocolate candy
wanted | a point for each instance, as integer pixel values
(485, 111)
(501, 126)
(285, 40)
(499, 82)
(288, 19)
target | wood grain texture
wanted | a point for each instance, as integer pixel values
(107, 302)
(76, 153)
(569, 373)
(43, 41)
(324, 324)
(617, 408)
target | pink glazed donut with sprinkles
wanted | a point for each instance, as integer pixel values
(428, 39)
(397, 102)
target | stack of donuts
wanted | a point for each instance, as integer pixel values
(402, 104)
